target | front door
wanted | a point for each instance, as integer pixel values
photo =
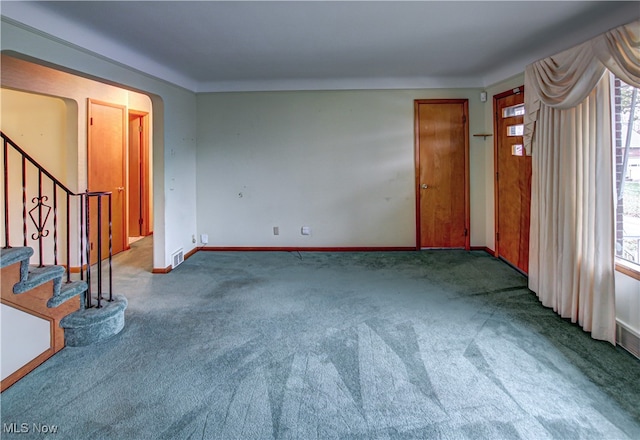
(442, 170)
(106, 172)
(513, 180)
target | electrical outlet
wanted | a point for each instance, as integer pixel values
(276, 230)
(306, 230)
(193, 238)
(204, 238)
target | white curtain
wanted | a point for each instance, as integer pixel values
(568, 134)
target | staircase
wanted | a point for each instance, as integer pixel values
(33, 282)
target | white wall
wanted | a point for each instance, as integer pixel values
(174, 116)
(23, 336)
(341, 162)
(628, 302)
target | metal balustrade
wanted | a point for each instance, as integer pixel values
(41, 214)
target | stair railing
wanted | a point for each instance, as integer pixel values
(44, 223)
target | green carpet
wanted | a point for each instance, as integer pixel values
(390, 345)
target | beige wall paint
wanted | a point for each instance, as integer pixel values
(341, 162)
(45, 113)
(173, 130)
(29, 77)
(39, 122)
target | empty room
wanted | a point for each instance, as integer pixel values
(320, 219)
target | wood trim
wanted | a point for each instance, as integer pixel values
(25, 369)
(301, 249)
(496, 98)
(168, 269)
(416, 142)
(34, 302)
(147, 186)
(629, 269)
(513, 91)
(467, 178)
(56, 342)
(78, 269)
(191, 252)
(308, 249)
(416, 185)
(161, 270)
(144, 176)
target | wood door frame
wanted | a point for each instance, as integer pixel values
(416, 140)
(144, 176)
(125, 125)
(496, 196)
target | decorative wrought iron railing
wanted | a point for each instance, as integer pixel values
(55, 220)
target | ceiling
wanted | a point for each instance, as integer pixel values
(266, 45)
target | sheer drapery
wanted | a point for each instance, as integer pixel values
(568, 134)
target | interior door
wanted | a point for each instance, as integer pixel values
(513, 180)
(442, 162)
(138, 189)
(107, 172)
(135, 175)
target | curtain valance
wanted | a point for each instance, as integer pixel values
(563, 81)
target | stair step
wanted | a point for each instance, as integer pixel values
(88, 326)
(67, 291)
(9, 256)
(38, 276)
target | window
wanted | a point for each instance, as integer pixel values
(515, 130)
(627, 159)
(517, 150)
(514, 110)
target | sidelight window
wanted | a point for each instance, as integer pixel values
(627, 154)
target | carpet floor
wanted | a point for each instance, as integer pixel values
(378, 345)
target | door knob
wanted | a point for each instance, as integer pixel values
(424, 186)
(121, 188)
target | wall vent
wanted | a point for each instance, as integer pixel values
(628, 340)
(177, 258)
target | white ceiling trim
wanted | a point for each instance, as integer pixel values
(340, 84)
(77, 35)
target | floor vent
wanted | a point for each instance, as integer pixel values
(177, 258)
(628, 340)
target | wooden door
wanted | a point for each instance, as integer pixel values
(513, 180)
(135, 175)
(442, 170)
(138, 190)
(106, 172)
(139, 200)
